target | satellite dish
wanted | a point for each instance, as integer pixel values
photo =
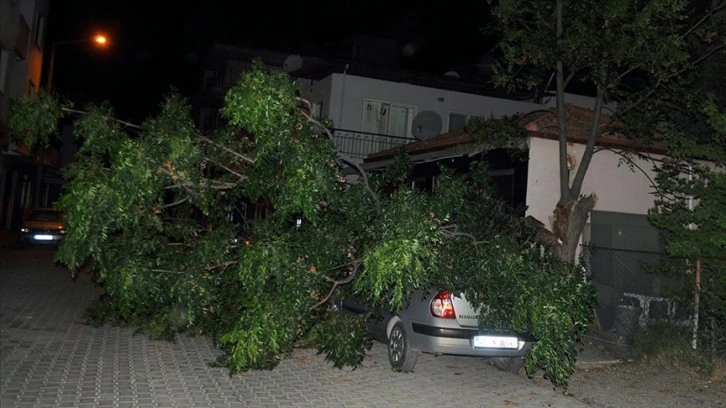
(426, 125)
(292, 63)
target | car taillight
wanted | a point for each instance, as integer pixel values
(442, 306)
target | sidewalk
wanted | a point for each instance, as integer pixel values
(599, 348)
(602, 349)
(50, 359)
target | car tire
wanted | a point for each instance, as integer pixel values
(400, 354)
(508, 364)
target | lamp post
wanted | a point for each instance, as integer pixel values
(99, 39)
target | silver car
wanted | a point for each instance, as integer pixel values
(440, 323)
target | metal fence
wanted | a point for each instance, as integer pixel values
(631, 291)
(358, 145)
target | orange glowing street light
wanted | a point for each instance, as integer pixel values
(99, 39)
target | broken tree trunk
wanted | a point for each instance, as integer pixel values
(568, 225)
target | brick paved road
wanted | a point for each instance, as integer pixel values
(49, 358)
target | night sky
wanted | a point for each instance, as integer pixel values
(155, 47)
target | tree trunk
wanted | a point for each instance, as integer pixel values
(568, 225)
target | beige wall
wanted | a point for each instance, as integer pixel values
(619, 188)
(23, 71)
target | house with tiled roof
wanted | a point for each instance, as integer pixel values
(375, 110)
(618, 236)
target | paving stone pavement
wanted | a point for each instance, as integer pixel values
(49, 358)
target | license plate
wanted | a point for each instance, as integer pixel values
(497, 342)
(41, 237)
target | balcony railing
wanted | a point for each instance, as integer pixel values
(358, 145)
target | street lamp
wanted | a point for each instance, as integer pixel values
(99, 39)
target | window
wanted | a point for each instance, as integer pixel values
(233, 72)
(457, 121)
(39, 31)
(23, 40)
(209, 80)
(387, 118)
(317, 109)
(4, 62)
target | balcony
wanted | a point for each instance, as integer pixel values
(358, 145)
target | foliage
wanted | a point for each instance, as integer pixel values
(596, 43)
(343, 338)
(521, 289)
(668, 345)
(629, 55)
(690, 208)
(500, 132)
(495, 264)
(149, 215)
(638, 59)
(35, 119)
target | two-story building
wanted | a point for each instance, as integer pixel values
(375, 110)
(22, 37)
(372, 107)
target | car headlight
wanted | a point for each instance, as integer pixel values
(24, 230)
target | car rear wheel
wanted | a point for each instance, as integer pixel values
(508, 364)
(400, 354)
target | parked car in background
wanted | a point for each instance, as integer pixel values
(439, 322)
(43, 226)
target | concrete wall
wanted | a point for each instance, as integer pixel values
(343, 98)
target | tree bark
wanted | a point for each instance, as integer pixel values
(568, 225)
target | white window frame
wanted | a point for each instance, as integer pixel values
(385, 126)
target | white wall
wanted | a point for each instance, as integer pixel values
(348, 92)
(317, 92)
(619, 188)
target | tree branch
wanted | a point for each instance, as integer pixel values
(452, 231)
(241, 176)
(590, 146)
(337, 282)
(630, 161)
(712, 12)
(167, 271)
(174, 204)
(127, 124)
(569, 77)
(226, 149)
(345, 158)
(657, 85)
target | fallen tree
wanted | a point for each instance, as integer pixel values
(148, 214)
